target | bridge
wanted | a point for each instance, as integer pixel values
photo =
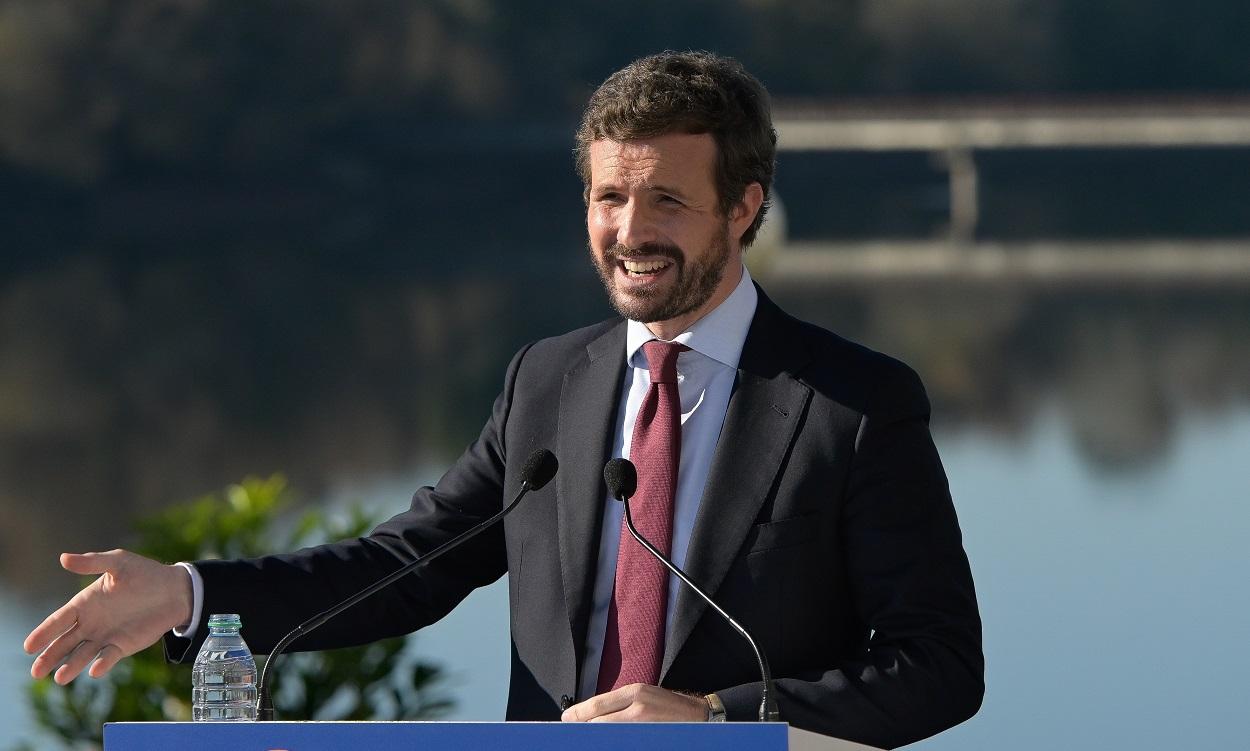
(955, 134)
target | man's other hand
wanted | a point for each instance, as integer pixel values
(133, 602)
(638, 702)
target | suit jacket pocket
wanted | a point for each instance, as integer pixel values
(782, 533)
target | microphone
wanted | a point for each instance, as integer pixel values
(622, 479)
(538, 470)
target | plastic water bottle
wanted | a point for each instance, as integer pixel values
(223, 681)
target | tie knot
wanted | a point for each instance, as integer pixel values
(662, 360)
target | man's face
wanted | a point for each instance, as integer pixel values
(657, 237)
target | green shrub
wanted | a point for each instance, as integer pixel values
(379, 681)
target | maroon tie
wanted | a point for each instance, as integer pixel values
(633, 644)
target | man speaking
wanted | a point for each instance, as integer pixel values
(790, 472)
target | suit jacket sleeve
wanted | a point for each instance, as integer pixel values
(921, 669)
(275, 593)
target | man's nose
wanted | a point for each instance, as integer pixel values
(635, 226)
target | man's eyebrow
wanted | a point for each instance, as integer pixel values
(679, 193)
(612, 187)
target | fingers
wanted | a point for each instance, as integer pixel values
(603, 704)
(55, 652)
(78, 634)
(626, 704)
(61, 621)
(638, 703)
(82, 656)
(91, 563)
(65, 617)
(625, 715)
(104, 662)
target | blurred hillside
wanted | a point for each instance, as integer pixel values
(100, 91)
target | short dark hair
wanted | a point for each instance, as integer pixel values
(690, 92)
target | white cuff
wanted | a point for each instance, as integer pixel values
(187, 631)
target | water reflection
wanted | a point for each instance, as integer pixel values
(121, 390)
(1110, 600)
(1122, 366)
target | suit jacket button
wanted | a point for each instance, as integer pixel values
(566, 701)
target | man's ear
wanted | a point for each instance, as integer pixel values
(744, 212)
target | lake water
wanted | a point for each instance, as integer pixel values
(1114, 606)
(1114, 602)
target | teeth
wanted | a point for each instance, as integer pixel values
(644, 267)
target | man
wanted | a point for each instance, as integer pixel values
(789, 471)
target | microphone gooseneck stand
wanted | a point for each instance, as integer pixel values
(537, 472)
(622, 480)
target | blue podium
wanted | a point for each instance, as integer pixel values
(465, 736)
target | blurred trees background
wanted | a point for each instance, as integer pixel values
(91, 90)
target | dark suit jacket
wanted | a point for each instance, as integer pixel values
(826, 528)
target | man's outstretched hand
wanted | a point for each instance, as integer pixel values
(133, 603)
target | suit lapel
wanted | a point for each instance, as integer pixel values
(589, 399)
(760, 423)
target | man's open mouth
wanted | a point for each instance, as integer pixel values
(644, 268)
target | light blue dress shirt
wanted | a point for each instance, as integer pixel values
(705, 380)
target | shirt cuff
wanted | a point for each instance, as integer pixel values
(187, 630)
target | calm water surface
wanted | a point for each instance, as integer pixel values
(1114, 606)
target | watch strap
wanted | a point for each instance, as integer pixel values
(715, 708)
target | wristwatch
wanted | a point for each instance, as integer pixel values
(715, 708)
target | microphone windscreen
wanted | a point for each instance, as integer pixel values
(621, 477)
(539, 469)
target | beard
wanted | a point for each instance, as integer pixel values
(694, 285)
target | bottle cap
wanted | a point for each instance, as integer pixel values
(225, 621)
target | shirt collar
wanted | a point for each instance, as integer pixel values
(719, 335)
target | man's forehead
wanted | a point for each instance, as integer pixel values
(672, 154)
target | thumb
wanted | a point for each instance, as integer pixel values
(91, 563)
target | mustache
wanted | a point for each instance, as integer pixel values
(622, 252)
